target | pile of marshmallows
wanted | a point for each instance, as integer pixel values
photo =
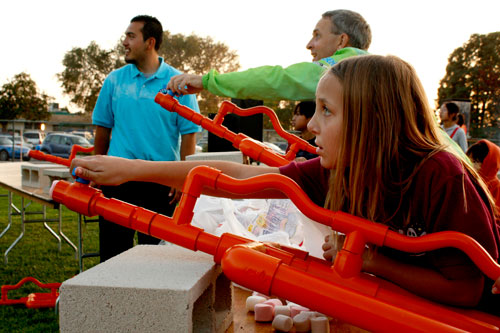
(284, 317)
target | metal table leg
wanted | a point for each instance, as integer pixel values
(63, 236)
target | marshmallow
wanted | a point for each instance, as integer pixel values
(274, 302)
(256, 293)
(302, 322)
(252, 300)
(296, 309)
(320, 325)
(263, 312)
(282, 323)
(282, 310)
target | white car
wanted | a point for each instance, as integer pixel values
(34, 137)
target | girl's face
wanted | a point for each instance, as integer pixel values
(327, 122)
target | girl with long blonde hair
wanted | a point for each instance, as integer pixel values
(381, 157)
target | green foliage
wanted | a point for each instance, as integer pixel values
(84, 73)
(20, 98)
(38, 255)
(197, 55)
(284, 111)
(86, 69)
(473, 73)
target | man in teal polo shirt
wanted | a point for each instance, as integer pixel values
(130, 124)
(338, 34)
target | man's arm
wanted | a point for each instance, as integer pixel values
(101, 141)
(296, 82)
(188, 145)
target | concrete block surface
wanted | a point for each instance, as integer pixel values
(148, 288)
(32, 174)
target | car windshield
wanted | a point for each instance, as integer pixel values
(80, 141)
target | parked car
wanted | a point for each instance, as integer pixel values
(6, 145)
(85, 134)
(34, 137)
(60, 144)
(18, 140)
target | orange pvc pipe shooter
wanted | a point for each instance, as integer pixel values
(248, 146)
(36, 154)
(34, 300)
(340, 290)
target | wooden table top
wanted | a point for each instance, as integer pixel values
(243, 321)
(11, 179)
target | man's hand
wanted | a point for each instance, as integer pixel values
(185, 84)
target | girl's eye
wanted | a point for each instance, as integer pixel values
(326, 112)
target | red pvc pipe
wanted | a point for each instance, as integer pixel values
(33, 300)
(37, 154)
(340, 290)
(248, 146)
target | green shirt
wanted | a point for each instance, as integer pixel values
(296, 82)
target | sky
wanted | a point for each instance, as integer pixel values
(37, 34)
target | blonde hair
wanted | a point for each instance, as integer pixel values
(388, 132)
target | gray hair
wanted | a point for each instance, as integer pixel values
(352, 24)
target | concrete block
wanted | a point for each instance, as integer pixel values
(32, 174)
(234, 156)
(56, 174)
(149, 288)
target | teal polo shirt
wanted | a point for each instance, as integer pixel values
(141, 128)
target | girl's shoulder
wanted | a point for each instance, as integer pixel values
(443, 162)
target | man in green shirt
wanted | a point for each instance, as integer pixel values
(338, 34)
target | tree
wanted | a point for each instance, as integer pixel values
(473, 73)
(197, 55)
(87, 68)
(85, 71)
(20, 98)
(284, 111)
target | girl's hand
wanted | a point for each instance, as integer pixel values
(496, 287)
(332, 245)
(103, 169)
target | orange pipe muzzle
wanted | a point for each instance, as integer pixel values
(77, 197)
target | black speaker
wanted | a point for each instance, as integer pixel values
(251, 126)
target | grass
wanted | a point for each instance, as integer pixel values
(37, 255)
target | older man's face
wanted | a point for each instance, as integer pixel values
(324, 43)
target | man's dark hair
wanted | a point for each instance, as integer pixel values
(478, 151)
(353, 24)
(305, 108)
(152, 28)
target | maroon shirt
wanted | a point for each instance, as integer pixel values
(436, 201)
